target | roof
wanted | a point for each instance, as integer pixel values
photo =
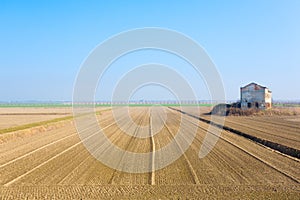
(256, 85)
(253, 84)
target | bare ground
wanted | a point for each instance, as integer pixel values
(55, 164)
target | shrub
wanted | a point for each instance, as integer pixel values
(235, 110)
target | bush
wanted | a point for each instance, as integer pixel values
(239, 112)
(235, 110)
(220, 109)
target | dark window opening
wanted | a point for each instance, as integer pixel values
(249, 105)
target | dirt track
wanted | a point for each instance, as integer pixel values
(56, 163)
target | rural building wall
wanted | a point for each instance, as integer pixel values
(255, 96)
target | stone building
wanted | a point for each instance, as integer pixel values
(255, 96)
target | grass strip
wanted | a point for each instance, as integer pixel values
(26, 126)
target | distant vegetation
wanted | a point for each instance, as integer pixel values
(69, 104)
(33, 105)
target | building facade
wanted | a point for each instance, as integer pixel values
(255, 96)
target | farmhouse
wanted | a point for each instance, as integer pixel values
(255, 96)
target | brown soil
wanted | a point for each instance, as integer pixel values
(55, 164)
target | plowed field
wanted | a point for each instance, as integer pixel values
(56, 164)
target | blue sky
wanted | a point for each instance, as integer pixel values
(43, 43)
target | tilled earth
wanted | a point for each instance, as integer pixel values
(56, 165)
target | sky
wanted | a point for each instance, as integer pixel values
(44, 43)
